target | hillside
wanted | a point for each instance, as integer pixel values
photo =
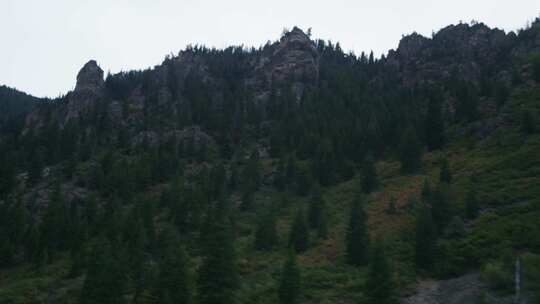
(291, 173)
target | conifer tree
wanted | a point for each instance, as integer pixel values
(7, 176)
(266, 236)
(392, 206)
(440, 207)
(471, 204)
(34, 248)
(247, 200)
(291, 171)
(79, 235)
(357, 237)
(251, 173)
(434, 125)
(380, 287)
(173, 283)
(317, 213)
(410, 152)
(217, 181)
(426, 191)
(369, 176)
(55, 222)
(324, 163)
(303, 181)
(299, 235)
(234, 178)
(35, 169)
(279, 177)
(290, 282)
(426, 237)
(445, 175)
(218, 278)
(528, 122)
(104, 281)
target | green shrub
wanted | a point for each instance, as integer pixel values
(497, 276)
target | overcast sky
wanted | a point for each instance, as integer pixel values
(43, 43)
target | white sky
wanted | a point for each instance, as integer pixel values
(43, 43)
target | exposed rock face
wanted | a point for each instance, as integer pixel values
(461, 49)
(90, 77)
(88, 90)
(190, 138)
(294, 60)
(467, 289)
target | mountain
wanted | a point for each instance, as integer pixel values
(416, 173)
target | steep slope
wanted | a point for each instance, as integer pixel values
(211, 145)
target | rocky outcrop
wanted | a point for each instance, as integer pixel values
(293, 61)
(467, 289)
(190, 138)
(461, 49)
(90, 77)
(88, 90)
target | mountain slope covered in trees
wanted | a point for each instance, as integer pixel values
(291, 173)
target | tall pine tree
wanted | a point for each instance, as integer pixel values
(266, 236)
(357, 237)
(426, 238)
(380, 287)
(218, 277)
(410, 151)
(289, 285)
(174, 282)
(299, 235)
(317, 213)
(369, 176)
(434, 125)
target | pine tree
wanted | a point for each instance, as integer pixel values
(217, 181)
(173, 283)
(234, 179)
(445, 175)
(7, 250)
(279, 177)
(104, 281)
(33, 248)
(303, 181)
(440, 207)
(218, 278)
(299, 234)
(317, 213)
(369, 176)
(471, 204)
(426, 238)
(357, 237)
(247, 200)
(426, 191)
(434, 125)
(290, 174)
(266, 236)
(79, 235)
(324, 163)
(410, 152)
(392, 206)
(251, 173)
(35, 169)
(55, 222)
(528, 122)
(290, 282)
(7, 176)
(380, 287)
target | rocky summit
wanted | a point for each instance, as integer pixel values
(90, 77)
